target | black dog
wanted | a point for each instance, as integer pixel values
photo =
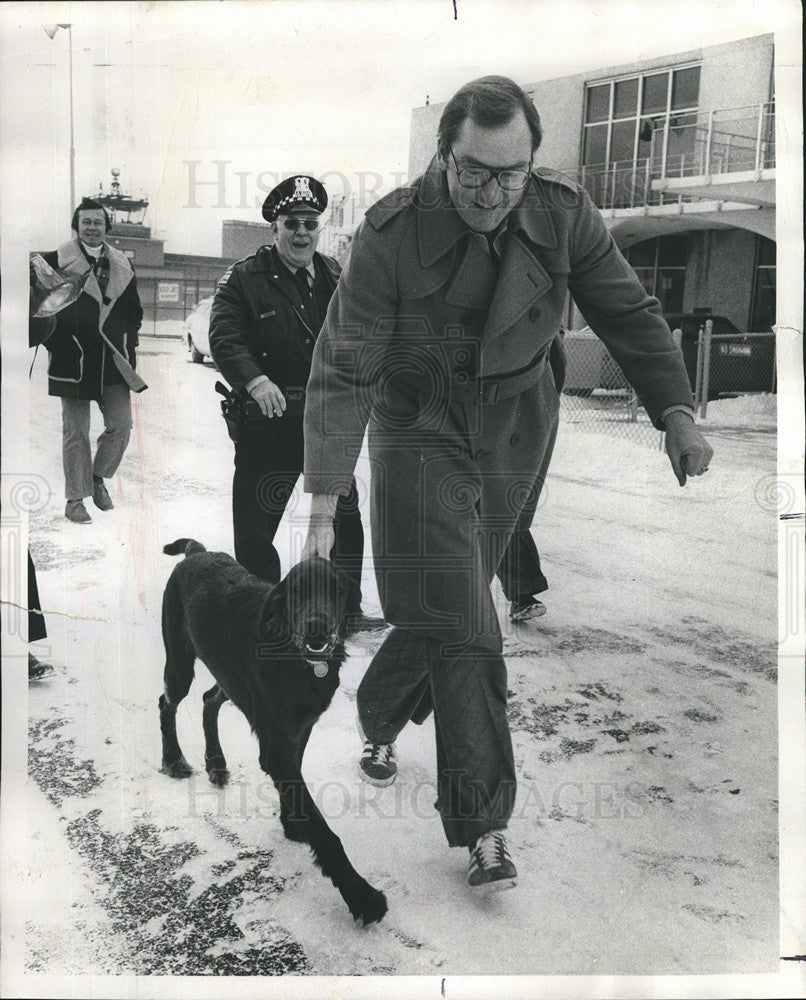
(276, 653)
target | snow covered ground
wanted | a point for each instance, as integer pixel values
(643, 710)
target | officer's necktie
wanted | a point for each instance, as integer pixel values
(302, 274)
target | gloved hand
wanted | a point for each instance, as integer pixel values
(687, 448)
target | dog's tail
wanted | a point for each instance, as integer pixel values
(183, 547)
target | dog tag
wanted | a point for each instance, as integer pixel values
(319, 668)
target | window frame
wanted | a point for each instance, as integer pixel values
(639, 117)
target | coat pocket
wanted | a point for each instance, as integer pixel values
(272, 342)
(66, 362)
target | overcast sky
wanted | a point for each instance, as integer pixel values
(284, 86)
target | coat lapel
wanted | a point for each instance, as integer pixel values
(284, 283)
(474, 282)
(71, 258)
(439, 226)
(523, 279)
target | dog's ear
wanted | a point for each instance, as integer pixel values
(273, 620)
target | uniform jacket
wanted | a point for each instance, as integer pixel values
(417, 276)
(258, 322)
(77, 353)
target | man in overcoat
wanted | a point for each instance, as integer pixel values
(266, 315)
(91, 356)
(437, 338)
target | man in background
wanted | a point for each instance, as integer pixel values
(91, 356)
(266, 316)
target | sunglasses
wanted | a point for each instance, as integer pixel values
(292, 225)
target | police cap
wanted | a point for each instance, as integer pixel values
(298, 190)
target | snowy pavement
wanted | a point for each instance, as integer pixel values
(643, 711)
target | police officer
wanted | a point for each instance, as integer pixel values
(266, 315)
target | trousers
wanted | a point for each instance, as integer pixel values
(79, 466)
(444, 506)
(409, 677)
(520, 572)
(36, 620)
(268, 463)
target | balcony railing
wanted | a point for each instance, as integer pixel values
(730, 141)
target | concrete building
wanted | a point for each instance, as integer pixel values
(240, 238)
(678, 153)
(169, 284)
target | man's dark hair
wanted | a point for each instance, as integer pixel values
(90, 204)
(490, 101)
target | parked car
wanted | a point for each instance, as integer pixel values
(740, 362)
(197, 330)
(589, 365)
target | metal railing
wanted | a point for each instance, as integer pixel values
(734, 140)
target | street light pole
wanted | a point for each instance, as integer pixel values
(69, 28)
(50, 31)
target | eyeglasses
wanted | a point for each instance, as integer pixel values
(292, 225)
(476, 177)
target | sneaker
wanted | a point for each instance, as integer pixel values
(37, 669)
(378, 764)
(491, 866)
(357, 621)
(76, 511)
(100, 497)
(525, 607)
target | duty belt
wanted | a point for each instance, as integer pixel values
(490, 389)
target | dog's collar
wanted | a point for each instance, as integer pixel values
(319, 667)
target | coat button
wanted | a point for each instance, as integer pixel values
(307, 341)
(265, 354)
(515, 439)
(534, 314)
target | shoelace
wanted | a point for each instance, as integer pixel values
(491, 851)
(379, 753)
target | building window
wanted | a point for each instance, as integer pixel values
(636, 129)
(660, 264)
(762, 310)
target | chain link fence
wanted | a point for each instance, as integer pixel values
(597, 399)
(732, 364)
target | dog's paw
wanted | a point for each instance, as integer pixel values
(216, 768)
(367, 904)
(178, 768)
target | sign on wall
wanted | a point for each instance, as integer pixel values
(168, 291)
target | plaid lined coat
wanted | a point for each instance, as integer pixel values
(77, 354)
